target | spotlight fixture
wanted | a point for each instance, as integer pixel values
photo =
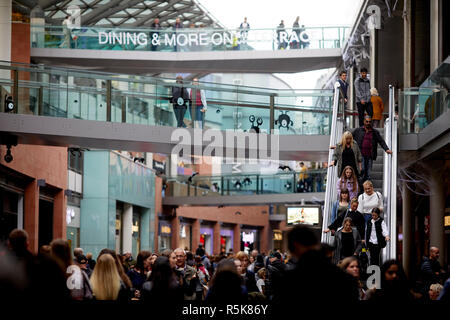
(9, 104)
(247, 181)
(238, 213)
(288, 185)
(8, 156)
(238, 185)
(284, 168)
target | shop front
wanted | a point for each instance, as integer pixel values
(164, 235)
(206, 238)
(185, 235)
(226, 239)
(249, 239)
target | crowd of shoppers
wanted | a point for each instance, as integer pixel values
(177, 275)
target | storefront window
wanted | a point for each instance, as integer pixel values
(164, 236)
(8, 213)
(119, 230)
(136, 235)
(249, 240)
(185, 236)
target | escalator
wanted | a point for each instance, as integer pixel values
(384, 172)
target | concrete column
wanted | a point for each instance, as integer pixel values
(408, 230)
(175, 232)
(350, 94)
(127, 228)
(437, 208)
(59, 216)
(236, 238)
(407, 34)
(435, 34)
(5, 34)
(37, 20)
(31, 215)
(195, 234)
(216, 238)
(264, 239)
(373, 57)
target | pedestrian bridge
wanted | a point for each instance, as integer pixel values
(64, 107)
(191, 50)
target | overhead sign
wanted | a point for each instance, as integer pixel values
(182, 38)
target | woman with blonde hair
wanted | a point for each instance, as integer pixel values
(378, 108)
(351, 266)
(347, 153)
(105, 280)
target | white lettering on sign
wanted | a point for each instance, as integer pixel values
(194, 39)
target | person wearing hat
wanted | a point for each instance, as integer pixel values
(378, 107)
(274, 275)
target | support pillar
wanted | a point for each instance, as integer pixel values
(127, 228)
(350, 95)
(59, 216)
(175, 232)
(435, 34)
(236, 238)
(264, 239)
(216, 238)
(5, 34)
(373, 57)
(407, 34)
(437, 208)
(31, 215)
(195, 234)
(407, 230)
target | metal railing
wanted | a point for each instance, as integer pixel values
(68, 93)
(187, 39)
(337, 125)
(247, 184)
(390, 179)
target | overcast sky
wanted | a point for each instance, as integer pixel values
(268, 13)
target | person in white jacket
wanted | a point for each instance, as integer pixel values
(198, 105)
(368, 200)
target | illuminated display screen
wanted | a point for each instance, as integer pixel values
(303, 215)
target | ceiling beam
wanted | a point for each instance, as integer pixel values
(155, 13)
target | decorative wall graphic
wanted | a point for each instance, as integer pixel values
(284, 121)
(259, 122)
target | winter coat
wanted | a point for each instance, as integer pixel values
(362, 89)
(358, 136)
(338, 243)
(337, 156)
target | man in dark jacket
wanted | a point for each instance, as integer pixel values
(431, 270)
(362, 93)
(314, 278)
(352, 213)
(368, 140)
(343, 85)
(275, 271)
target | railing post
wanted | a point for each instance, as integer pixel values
(257, 184)
(41, 101)
(16, 91)
(272, 113)
(221, 185)
(108, 100)
(124, 109)
(228, 187)
(294, 182)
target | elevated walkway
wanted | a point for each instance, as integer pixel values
(192, 50)
(66, 107)
(142, 62)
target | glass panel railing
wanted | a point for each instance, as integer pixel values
(247, 184)
(421, 106)
(86, 95)
(187, 39)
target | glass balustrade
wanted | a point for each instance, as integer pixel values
(246, 184)
(75, 94)
(188, 39)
